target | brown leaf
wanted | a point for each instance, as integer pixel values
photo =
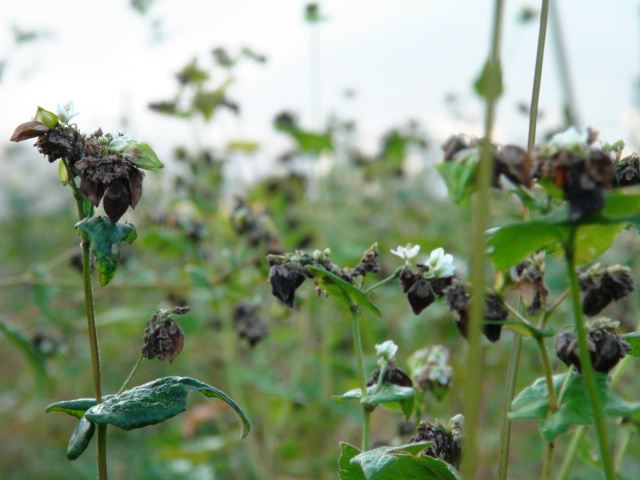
(28, 130)
(135, 182)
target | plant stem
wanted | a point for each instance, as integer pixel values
(548, 461)
(553, 406)
(570, 112)
(381, 283)
(131, 374)
(357, 345)
(473, 378)
(572, 453)
(537, 76)
(509, 392)
(585, 359)
(549, 311)
(91, 324)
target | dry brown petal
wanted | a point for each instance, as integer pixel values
(117, 199)
(92, 190)
(28, 130)
(516, 164)
(135, 182)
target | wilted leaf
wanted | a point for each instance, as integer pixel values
(343, 292)
(143, 156)
(106, 239)
(80, 438)
(155, 402)
(28, 130)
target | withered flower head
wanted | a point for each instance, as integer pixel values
(430, 370)
(603, 286)
(285, 279)
(514, 163)
(248, 323)
(393, 375)
(529, 277)
(163, 337)
(108, 174)
(420, 295)
(627, 171)
(606, 347)
(446, 444)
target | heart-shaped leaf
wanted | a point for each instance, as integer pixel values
(388, 394)
(155, 402)
(106, 239)
(343, 292)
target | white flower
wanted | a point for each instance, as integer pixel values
(407, 253)
(387, 350)
(440, 264)
(570, 139)
(66, 111)
(457, 421)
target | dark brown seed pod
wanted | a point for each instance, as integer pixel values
(117, 199)
(285, 279)
(420, 296)
(394, 376)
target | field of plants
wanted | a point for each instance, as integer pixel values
(345, 315)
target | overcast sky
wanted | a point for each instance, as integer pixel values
(401, 58)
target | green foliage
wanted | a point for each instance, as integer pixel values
(393, 463)
(35, 359)
(155, 402)
(633, 339)
(343, 292)
(387, 393)
(106, 239)
(460, 177)
(80, 438)
(489, 83)
(533, 403)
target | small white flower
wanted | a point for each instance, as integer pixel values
(457, 421)
(570, 139)
(440, 264)
(407, 253)
(387, 350)
(66, 111)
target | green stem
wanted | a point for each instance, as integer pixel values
(357, 345)
(572, 453)
(549, 311)
(509, 392)
(585, 359)
(548, 461)
(623, 449)
(553, 406)
(131, 374)
(91, 323)
(473, 378)
(537, 76)
(381, 283)
(570, 112)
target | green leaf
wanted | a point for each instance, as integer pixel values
(574, 408)
(143, 156)
(106, 239)
(80, 438)
(489, 83)
(593, 240)
(460, 177)
(75, 408)
(533, 401)
(36, 361)
(50, 119)
(393, 463)
(511, 244)
(343, 292)
(388, 393)
(633, 339)
(314, 143)
(155, 402)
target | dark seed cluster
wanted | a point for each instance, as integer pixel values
(255, 228)
(446, 444)
(163, 338)
(393, 375)
(287, 272)
(458, 299)
(601, 287)
(248, 323)
(62, 141)
(606, 347)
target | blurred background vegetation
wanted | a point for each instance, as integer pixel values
(205, 225)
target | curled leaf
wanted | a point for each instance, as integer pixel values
(28, 130)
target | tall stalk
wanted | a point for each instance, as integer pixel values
(357, 345)
(473, 379)
(91, 324)
(585, 359)
(537, 76)
(509, 392)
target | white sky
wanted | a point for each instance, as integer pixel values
(400, 57)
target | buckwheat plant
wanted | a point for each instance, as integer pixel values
(108, 168)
